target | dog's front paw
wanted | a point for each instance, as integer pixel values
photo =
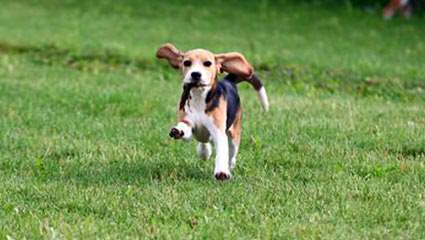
(222, 176)
(176, 133)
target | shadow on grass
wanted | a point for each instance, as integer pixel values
(51, 55)
(410, 151)
(142, 171)
(137, 172)
(298, 78)
(302, 78)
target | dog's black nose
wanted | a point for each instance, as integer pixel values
(196, 76)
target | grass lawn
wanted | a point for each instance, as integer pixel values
(86, 110)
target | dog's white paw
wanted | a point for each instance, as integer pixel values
(232, 164)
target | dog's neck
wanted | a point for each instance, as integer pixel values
(197, 98)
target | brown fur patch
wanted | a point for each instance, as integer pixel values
(235, 130)
(219, 114)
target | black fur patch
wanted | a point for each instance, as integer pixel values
(254, 80)
(185, 95)
(225, 88)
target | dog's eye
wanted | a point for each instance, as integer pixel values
(207, 63)
(187, 63)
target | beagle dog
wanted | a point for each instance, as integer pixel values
(209, 109)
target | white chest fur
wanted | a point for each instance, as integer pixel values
(195, 109)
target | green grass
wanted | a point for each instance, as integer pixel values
(86, 109)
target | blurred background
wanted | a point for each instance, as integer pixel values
(346, 34)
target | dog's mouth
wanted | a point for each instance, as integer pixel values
(195, 85)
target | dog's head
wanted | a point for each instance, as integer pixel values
(200, 67)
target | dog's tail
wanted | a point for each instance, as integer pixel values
(256, 84)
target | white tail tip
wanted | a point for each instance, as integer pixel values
(263, 98)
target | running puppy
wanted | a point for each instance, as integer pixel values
(209, 110)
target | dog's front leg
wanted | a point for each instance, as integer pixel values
(183, 130)
(221, 171)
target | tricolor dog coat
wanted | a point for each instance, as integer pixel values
(210, 110)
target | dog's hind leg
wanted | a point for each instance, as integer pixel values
(234, 136)
(233, 152)
(204, 150)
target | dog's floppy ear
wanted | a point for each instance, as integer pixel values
(171, 53)
(235, 63)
